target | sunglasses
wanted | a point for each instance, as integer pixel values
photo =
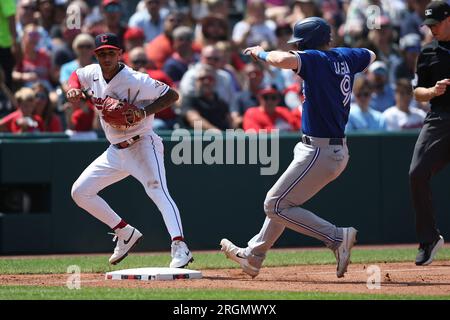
(363, 94)
(184, 39)
(139, 61)
(208, 78)
(85, 46)
(212, 58)
(269, 97)
(41, 95)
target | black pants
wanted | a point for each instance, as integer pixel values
(7, 63)
(431, 154)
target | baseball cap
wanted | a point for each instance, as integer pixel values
(107, 41)
(134, 33)
(378, 67)
(268, 89)
(436, 12)
(410, 42)
(108, 2)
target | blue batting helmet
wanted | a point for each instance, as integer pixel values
(311, 33)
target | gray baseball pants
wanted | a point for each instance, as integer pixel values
(313, 167)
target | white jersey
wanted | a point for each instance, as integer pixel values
(127, 84)
(398, 120)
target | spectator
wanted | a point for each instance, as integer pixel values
(268, 115)
(226, 52)
(383, 44)
(133, 38)
(284, 33)
(27, 14)
(248, 97)
(410, 49)
(302, 9)
(403, 116)
(83, 46)
(361, 13)
(35, 64)
(213, 28)
(382, 94)
(7, 100)
(166, 118)
(205, 108)
(46, 14)
(150, 20)
(224, 87)
(9, 47)
(45, 109)
(161, 47)
(22, 120)
(362, 116)
(255, 29)
(111, 11)
(183, 57)
(412, 21)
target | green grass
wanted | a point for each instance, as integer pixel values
(61, 293)
(99, 263)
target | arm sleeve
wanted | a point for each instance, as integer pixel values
(74, 81)
(360, 59)
(423, 74)
(152, 89)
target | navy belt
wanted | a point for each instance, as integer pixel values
(125, 144)
(332, 141)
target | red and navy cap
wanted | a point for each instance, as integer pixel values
(107, 41)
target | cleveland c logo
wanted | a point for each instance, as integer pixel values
(104, 38)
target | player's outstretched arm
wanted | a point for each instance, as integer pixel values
(279, 59)
(162, 102)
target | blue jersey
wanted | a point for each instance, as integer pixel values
(328, 81)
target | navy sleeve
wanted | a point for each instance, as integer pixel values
(359, 59)
(307, 59)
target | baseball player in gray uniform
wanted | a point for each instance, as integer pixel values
(321, 156)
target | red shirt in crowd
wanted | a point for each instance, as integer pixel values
(83, 118)
(11, 122)
(282, 118)
(41, 65)
(160, 75)
(54, 124)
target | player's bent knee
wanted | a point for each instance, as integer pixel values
(269, 208)
(78, 193)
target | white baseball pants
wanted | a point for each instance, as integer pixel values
(144, 160)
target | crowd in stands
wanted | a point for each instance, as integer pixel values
(196, 48)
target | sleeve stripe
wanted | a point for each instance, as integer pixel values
(299, 61)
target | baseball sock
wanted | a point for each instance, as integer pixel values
(179, 238)
(121, 224)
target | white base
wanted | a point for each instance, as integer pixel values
(146, 274)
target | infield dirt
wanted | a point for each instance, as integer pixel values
(396, 278)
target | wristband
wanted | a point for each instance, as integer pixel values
(263, 55)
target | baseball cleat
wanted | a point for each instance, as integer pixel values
(126, 237)
(238, 255)
(427, 251)
(181, 255)
(342, 253)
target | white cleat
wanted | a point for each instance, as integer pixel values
(127, 238)
(181, 255)
(342, 253)
(237, 254)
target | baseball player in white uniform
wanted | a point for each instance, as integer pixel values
(135, 149)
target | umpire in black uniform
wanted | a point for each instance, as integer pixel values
(432, 150)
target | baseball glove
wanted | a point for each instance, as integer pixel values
(121, 114)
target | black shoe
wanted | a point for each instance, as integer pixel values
(427, 251)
